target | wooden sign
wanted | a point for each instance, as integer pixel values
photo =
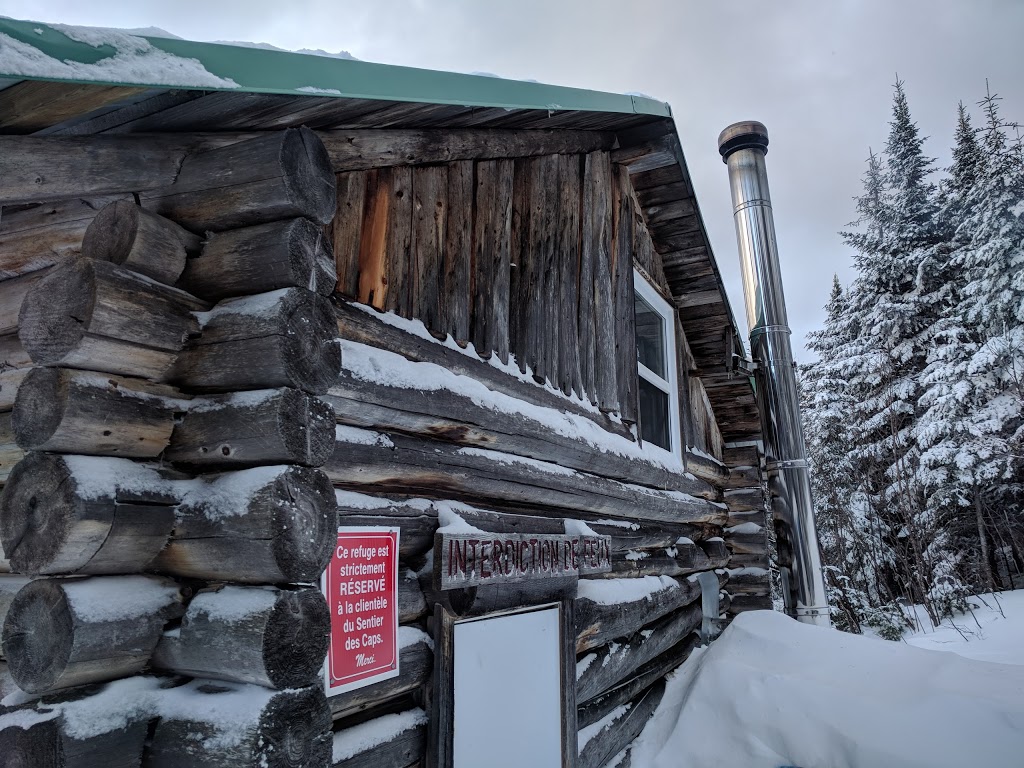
(473, 559)
(361, 587)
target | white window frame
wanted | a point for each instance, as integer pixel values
(669, 385)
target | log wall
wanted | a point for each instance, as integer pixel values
(212, 412)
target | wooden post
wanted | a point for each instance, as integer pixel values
(69, 411)
(251, 260)
(283, 338)
(95, 315)
(139, 240)
(270, 637)
(280, 175)
(61, 633)
(268, 525)
(264, 426)
(84, 514)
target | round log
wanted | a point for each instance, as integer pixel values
(271, 637)
(95, 315)
(84, 514)
(139, 240)
(275, 426)
(285, 338)
(73, 411)
(268, 525)
(279, 175)
(271, 729)
(61, 633)
(282, 254)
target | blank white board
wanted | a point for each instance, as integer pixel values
(508, 703)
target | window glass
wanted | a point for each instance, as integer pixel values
(654, 415)
(650, 337)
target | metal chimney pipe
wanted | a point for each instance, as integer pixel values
(743, 147)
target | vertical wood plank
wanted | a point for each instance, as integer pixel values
(543, 331)
(625, 320)
(458, 250)
(518, 266)
(492, 249)
(373, 246)
(429, 218)
(569, 269)
(348, 231)
(684, 358)
(399, 272)
(599, 243)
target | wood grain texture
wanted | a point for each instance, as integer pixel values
(355, 323)
(98, 316)
(400, 751)
(84, 515)
(282, 338)
(283, 426)
(371, 148)
(279, 175)
(261, 258)
(413, 466)
(456, 280)
(69, 411)
(492, 248)
(347, 230)
(415, 664)
(33, 237)
(279, 642)
(289, 729)
(57, 635)
(617, 661)
(139, 240)
(450, 416)
(38, 169)
(269, 525)
(614, 737)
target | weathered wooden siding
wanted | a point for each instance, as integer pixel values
(528, 257)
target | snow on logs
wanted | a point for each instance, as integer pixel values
(266, 525)
(139, 240)
(276, 638)
(61, 633)
(83, 514)
(279, 175)
(281, 426)
(408, 465)
(283, 338)
(206, 724)
(95, 315)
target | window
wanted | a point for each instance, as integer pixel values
(656, 365)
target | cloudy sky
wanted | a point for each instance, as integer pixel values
(818, 73)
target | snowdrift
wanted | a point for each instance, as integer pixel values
(772, 692)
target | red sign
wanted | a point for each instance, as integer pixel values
(361, 586)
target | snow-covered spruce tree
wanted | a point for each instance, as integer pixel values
(858, 560)
(899, 299)
(992, 261)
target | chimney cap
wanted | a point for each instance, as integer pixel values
(743, 135)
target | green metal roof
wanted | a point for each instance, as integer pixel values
(259, 70)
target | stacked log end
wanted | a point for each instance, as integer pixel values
(164, 491)
(746, 534)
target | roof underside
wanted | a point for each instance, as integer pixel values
(378, 96)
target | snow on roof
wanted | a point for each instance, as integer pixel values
(133, 59)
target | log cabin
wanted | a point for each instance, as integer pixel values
(429, 375)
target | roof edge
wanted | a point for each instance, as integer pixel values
(98, 56)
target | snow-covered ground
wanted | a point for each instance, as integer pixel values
(773, 692)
